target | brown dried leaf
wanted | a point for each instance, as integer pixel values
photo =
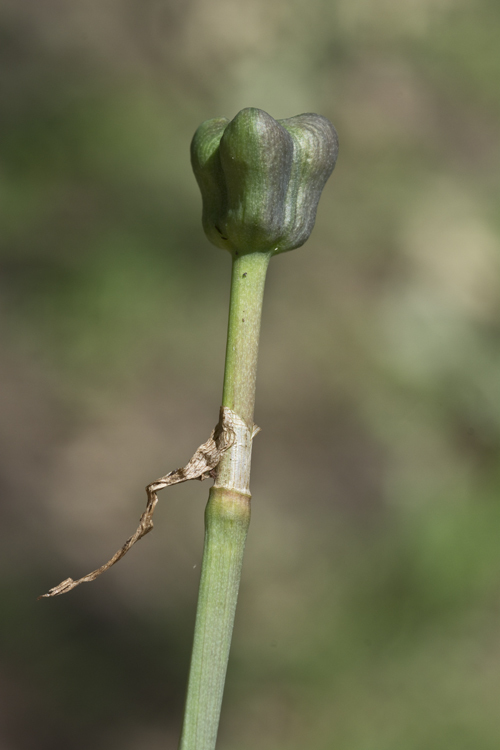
(201, 466)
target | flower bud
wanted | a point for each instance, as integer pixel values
(261, 179)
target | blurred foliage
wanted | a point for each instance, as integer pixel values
(369, 611)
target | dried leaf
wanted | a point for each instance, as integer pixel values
(201, 466)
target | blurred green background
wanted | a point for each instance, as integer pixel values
(369, 613)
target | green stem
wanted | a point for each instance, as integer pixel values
(227, 514)
(245, 308)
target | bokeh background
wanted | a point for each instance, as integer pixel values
(369, 613)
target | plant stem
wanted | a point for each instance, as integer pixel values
(227, 515)
(245, 307)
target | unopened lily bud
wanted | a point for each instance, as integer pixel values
(261, 179)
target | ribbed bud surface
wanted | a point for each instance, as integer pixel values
(261, 179)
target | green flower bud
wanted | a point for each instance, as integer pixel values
(261, 179)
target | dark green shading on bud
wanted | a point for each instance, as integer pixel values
(261, 179)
